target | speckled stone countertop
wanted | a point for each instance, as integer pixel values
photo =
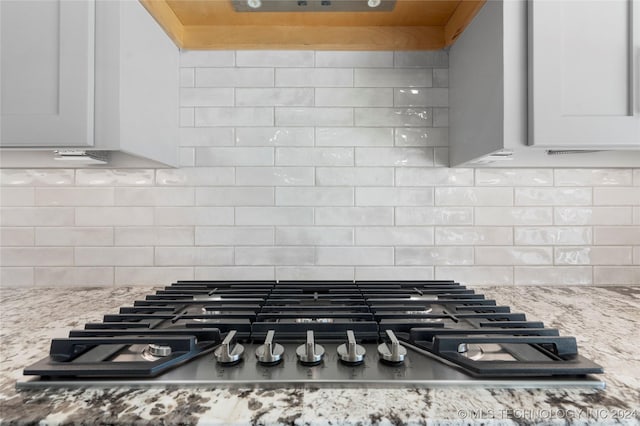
(605, 320)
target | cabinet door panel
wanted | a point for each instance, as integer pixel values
(583, 73)
(47, 50)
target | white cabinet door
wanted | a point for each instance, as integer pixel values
(47, 72)
(584, 73)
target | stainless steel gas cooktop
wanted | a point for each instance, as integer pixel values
(338, 333)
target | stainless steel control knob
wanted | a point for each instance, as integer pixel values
(269, 353)
(310, 353)
(351, 352)
(394, 354)
(229, 352)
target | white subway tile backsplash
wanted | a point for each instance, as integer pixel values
(206, 136)
(186, 216)
(314, 196)
(394, 196)
(36, 256)
(234, 77)
(351, 176)
(355, 216)
(274, 256)
(92, 276)
(561, 275)
(479, 236)
(20, 236)
(510, 216)
(489, 275)
(114, 216)
(207, 58)
(553, 196)
(422, 136)
(394, 117)
(440, 117)
(354, 59)
(151, 275)
(321, 116)
(317, 77)
(49, 196)
(234, 235)
(233, 116)
(315, 273)
(473, 196)
(592, 215)
(423, 59)
(381, 273)
(156, 196)
(440, 77)
(594, 255)
(74, 236)
(275, 58)
(17, 276)
(200, 97)
(235, 273)
(314, 236)
(106, 177)
(616, 275)
(187, 117)
(636, 177)
(274, 136)
(592, 177)
(434, 215)
(559, 235)
(513, 256)
(514, 177)
(275, 176)
(234, 156)
(153, 236)
(616, 235)
(410, 256)
(186, 157)
(113, 256)
(395, 156)
(196, 176)
(386, 77)
(37, 177)
(339, 256)
(235, 196)
(187, 77)
(619, 196)
(441, 157)
(354, 136)
(314, 157)
(421, 97)
(636, 255)
(198, 256)
(394, 236)
(36, 216)
(17, 196)
(274, 97)
(274, 216)
(354, 97)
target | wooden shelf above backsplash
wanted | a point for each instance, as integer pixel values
(412, 25)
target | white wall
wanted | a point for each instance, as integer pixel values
(318, 165)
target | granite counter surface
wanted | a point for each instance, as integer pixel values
(605, 320)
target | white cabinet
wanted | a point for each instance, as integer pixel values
(47, 72)
(584, 73)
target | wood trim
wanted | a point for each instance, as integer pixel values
(462, 16)
(167, 19)
(318, 38)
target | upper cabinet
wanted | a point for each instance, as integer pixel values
(47, 57)
(584, 74)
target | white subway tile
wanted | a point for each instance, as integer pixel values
(508, 216)
(275, 176)
(186, 157)
(514, 177)
(274, 215)
(386, 77)
(234, 77)
(233, 116)
(481, 236)
(553, 196)
(204, 97)
(354, 136)
(441, 157)
(623, 196)
(151, 275)
(636, 255)
(421, 97)
(197, 256)
(616, 235)
(434, 216)
(543, 275)
(234, 273)
(354, 215)
(409, 256)
(74, 236)
(593, 215)
(113, 256)
(636, 215)
(207, 58)
(17, 196)
(426, 58)
(354, 176)
(36, 256)
(593, 177)
(354, 59)
(314, 236)
(396, 156)
(607, 275)
(440, 117)
(49, 196)
(595, 255)
(206, 136)
(433, 177)
(394, 273)
(355, 97)
(185, 216)
(440, 77)
(16, 277)
(397, 117)
(187, 117)
(111, 177)
(317, 77)
(275, 58)
(196, 176)
(154, 236)
(314, 156)
(36, 216)
(558, 235)
(274, 136)
(314, 273)
(338, 256)
(234, 156)
(636, 177)
(513, 256)
(234, 235)
(234, 196)
(476, 275)
(274, 97)
(274, 256)
(187, 77)
(20, 236)
(114, 216)
(394, 236)
(100, 276)
(314, 196)
(394, 196)
(321, 116)
(474, 196)
(37, 177)
(156, 196)
(422, 136)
